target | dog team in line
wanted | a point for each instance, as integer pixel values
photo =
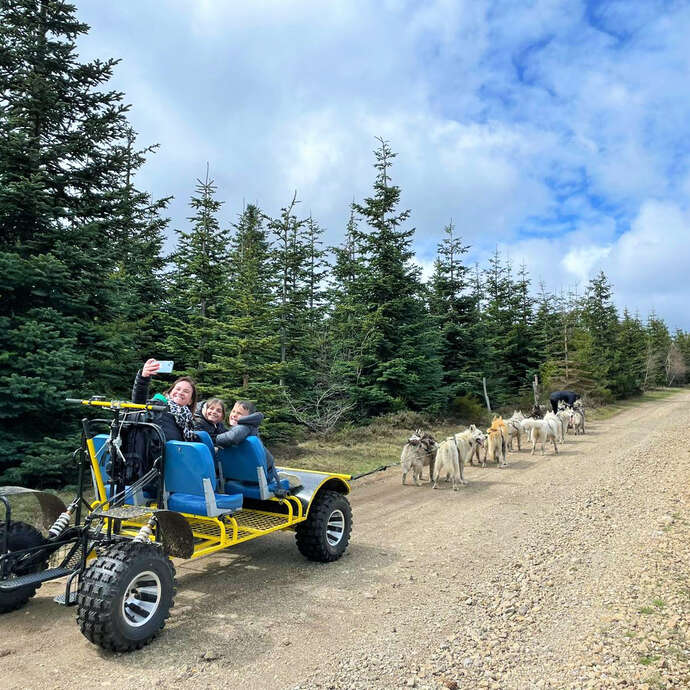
(448, 458)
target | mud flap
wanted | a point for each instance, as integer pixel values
(176, 534)
(51, 506)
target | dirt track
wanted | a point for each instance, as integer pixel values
(559, 571)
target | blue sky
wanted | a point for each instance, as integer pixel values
(557, 131)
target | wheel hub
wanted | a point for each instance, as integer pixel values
(142, 598)
(335, 528)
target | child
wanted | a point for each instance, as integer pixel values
(209, 417)
(244, 421)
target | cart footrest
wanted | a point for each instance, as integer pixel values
(33, 578)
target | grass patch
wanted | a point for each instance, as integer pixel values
(353, 451)
(648, 660)
(612, 409)
(659, 603)
(645, 610)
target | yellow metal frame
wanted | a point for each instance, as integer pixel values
(213, 533)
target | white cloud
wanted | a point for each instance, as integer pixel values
(542, 127)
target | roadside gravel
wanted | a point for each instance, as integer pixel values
(593, 592)
(561, 571)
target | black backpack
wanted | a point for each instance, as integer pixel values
(141, 446)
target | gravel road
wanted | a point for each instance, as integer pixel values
(561, 571)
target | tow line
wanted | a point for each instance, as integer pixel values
(378, 469)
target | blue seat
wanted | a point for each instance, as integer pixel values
(244, 467)
(190, 480)
(205, 438)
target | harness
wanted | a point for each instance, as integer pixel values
(514, 424)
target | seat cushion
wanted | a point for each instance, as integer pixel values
(251, 489)
(196, 505)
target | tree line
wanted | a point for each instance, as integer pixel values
(262, 309)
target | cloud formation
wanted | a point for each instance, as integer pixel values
(555, 129)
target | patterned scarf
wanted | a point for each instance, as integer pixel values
(184, 419)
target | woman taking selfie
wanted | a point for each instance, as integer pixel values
(178, 422)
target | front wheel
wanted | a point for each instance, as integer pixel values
(125, 597)
(325, 534)
(22, 536)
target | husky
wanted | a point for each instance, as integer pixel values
(497, 442)
(540, 432)
(452, 455)
(514, 429)
(419, 452)
(577, 421)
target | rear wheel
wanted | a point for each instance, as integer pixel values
(125, 597)
(21, 536)
(325, 534)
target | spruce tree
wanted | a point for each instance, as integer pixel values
(630, 354)
(497, 321)
(197, 285)
(135, 232)
(658, 344)
(455, 311)
(245, 362)
(400, 365)
(291, 257)
(601, 321)
(61, 157)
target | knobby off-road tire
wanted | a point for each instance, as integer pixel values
(325, 534)
(21, 536)
(125, 597)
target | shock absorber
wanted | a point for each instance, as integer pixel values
(62, 523)
(146, 531)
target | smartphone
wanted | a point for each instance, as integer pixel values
(166, 366)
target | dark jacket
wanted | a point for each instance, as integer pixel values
(245, 427)
(166, 421)
(211, 428)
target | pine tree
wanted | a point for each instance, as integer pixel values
(454, 307)
(658, 344)
(135, 232)
(198, 285)
(246, 346)
(600, 319)
(61, 157)
(497, 321)
(291, 256)
(630, 359)
(400, 364)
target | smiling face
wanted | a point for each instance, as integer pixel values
(213, 412)
(237, 412)
(181, 393)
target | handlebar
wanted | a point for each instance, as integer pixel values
(118, 404)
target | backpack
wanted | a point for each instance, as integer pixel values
(141, 446)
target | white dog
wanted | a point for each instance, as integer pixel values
(577, 421)
(514, 428)
(452, 455)
(564, 415)
(540, 431)
(556, 423)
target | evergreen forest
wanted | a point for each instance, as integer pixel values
(260, 309)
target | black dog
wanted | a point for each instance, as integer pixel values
(569, 397)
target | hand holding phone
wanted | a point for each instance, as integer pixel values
(166, 366)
